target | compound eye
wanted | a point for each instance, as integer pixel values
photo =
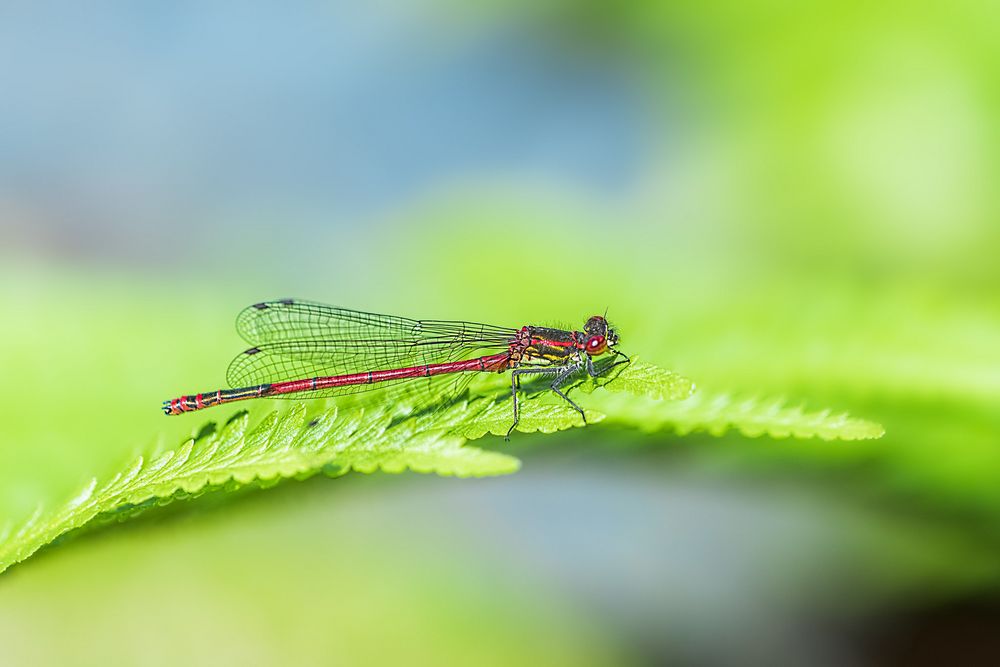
(596, 344)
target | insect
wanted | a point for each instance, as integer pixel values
(303, 349)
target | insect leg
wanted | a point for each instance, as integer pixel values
(560, 379)
(515, 384)
(604, 371)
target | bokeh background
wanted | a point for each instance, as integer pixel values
(775, 199)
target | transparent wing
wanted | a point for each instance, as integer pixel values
(300, 339)
(296, 320)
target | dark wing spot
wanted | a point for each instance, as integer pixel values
(260, 306)
(286, 302)
(252, 350)
(312, 423)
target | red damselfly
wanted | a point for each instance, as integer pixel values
(310, 350)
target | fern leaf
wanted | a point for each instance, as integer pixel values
(642, 379)
(281, 446)
(288, 445)
(717, 413)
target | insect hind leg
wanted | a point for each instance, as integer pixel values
(558, 382)
(515, 384)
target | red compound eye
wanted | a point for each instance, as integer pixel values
(596, 345)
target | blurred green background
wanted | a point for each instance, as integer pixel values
(771, 198)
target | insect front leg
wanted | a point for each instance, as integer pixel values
(594, 372)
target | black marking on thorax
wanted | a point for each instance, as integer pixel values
(555, 335)
(552, 344)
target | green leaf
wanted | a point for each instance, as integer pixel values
(642, 379)
(717, 413)
(536, 416)
(291, 444)
(281, 446)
